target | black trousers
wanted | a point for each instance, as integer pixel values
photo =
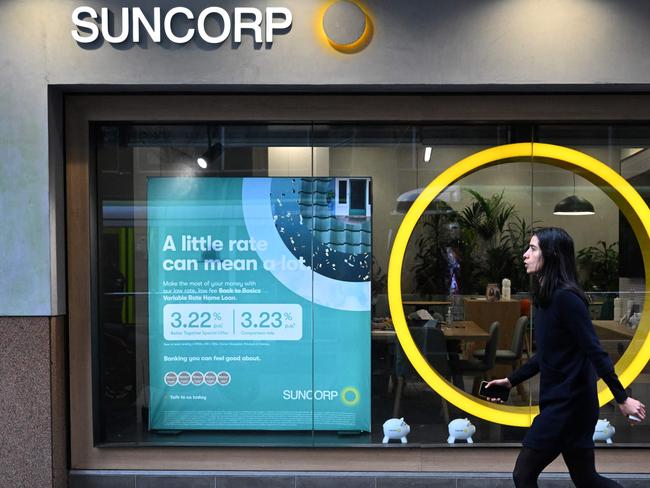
(581, 464)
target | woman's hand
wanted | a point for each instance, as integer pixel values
(632, 407)
(500, 382)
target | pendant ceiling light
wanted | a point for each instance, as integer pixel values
(574, 205)
(438, 206)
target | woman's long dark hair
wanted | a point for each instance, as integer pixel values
(558, 265)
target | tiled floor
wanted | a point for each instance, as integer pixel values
(84, 479)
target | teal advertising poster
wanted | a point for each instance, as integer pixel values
(259, 303)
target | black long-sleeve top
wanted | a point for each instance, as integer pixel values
(569, 359)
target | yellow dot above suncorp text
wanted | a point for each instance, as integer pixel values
(346, 26)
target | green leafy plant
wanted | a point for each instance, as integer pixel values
(486, 247)
(489, 238)
(487, 216)
(599, 267)
(436, 231)
(516, 237)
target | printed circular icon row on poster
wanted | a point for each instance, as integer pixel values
(197, 378)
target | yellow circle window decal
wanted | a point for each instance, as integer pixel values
(614, 185)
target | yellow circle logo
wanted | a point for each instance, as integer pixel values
(350, 391)
(614, 185)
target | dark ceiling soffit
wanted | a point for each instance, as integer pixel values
(393, 89)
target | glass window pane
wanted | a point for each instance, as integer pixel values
(610, 265)
(176, 254)
(335, 196)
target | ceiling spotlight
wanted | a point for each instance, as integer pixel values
(427, 154)
(210, 156)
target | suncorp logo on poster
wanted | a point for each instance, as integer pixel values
(173, 24)
(309, 394)
(350, 395)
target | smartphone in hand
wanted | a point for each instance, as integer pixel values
(494, 391)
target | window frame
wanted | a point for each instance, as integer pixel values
(81, 214)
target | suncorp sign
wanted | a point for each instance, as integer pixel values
(159, 24)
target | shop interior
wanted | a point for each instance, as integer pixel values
(465, 292)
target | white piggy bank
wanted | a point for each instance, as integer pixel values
(604, 431)
(461, 429)
(396, 429)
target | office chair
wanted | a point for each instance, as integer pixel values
(474, 367)
(431, 342)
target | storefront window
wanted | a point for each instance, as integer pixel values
(242, 274)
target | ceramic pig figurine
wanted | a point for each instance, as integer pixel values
(604, 431)
(396, 429)
(461, 429)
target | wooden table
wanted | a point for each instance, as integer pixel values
(431, 305)
(506, 312)
(464, 330)
(612, 330)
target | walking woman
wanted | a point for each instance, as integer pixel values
(569, 358)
